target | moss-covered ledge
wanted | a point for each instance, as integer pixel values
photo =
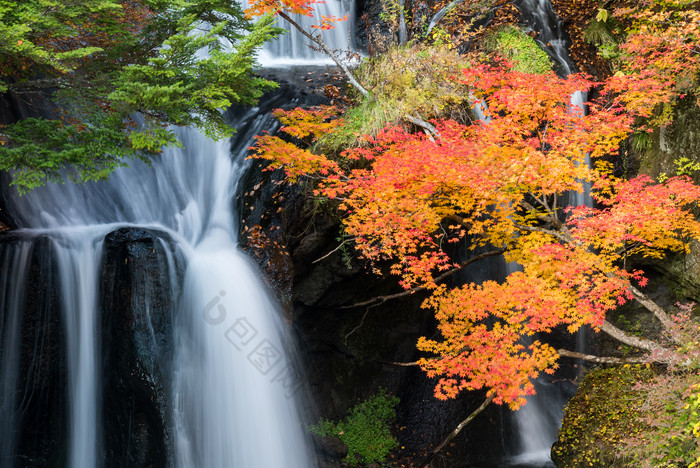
(632, 416)
(597, 419)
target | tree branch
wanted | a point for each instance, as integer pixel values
(456, 431)
(652, 307)
(630, 340)
(603, 359)
(422, 123)
(556, 234)
(364, 316)
(319, 42)
(382, 299)
(331, 252)
(400, 364)
(36, 85)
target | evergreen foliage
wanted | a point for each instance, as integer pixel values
(121, 74)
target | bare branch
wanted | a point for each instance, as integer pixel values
(382, 299)
(400, 364)
(630, 340)
(456, 431)
(37, 85)
(556, 234)
(422, 123)
(364, 316)
(603, 359)
(652, 307)
(331, 252)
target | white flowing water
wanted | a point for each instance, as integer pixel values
(232, 383)
(79, 257)
(292, 48)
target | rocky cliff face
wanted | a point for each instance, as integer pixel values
(349, 349)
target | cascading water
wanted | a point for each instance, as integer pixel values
(539, 420)
(292, 48)
(231, 391)
(230, 380)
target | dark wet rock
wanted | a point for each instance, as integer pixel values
(137, 317)
(331, 447)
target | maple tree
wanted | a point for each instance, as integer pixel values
(502, 185)
(658, 58)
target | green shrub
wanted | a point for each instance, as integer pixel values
(416, 80)
(365, 430)
(606, 34)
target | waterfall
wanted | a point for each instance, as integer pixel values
(292, 48)
(227, 371)
(232, 405)
(538, 422)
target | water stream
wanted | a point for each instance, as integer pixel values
(230, 377)
(538, 422)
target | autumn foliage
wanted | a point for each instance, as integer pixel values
(502, 185)
(659, 58)
(301, 7)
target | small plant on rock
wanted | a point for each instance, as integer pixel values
(365, 430)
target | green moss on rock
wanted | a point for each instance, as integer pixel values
(520, 48)
(602, 413)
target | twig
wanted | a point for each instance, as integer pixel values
(400, 364)
(456, 431)
(358, 326)
(383, 299)
(331, 252)
(602, 359)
